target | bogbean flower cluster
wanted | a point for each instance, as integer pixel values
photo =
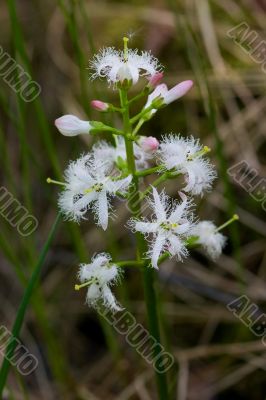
(114, 168)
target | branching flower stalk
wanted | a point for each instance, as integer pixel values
(135, 208)
(94, 180)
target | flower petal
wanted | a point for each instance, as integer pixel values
(179, 210)
(134, 72)
(157, 249)
(146, 227)
(159, 206)
(109, 299)
(103, 210)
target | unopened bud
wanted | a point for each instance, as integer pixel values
(155, 80)
(149, 143)
(99, 105)
(70, 125)
(177, 91)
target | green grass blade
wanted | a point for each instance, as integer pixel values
(24, 304)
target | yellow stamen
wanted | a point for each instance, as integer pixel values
(125, 40)
(95, 188)
(77, 287)
(49, 180)
(200, 153)
(86, 191)
(206, 149)
(235, 217)
(175, 225)
(168, 225)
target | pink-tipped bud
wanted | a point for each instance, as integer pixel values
(177, 91)
(149, 143)
(155, 80)
(70, 125)
(99, 105)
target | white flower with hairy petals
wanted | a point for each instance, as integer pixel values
(186, 156)
(100, 274)
(169, 227)
(110, 154)
(89, 186)
(111, 63)
(211, 240)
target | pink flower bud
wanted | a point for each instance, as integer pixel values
(69, 125)
(99, 105)
(149, 143)
(177, 91)
(155, 80)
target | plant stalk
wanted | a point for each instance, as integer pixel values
(134, 204)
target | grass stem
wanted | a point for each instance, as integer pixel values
(24, 305)
(134, 204)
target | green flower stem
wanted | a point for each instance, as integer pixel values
(142, 114)
(100, 127)
(138, 126)
(114, 131)
(149, 171)
(23, 306)
(144, 92)
(134, 204)
(155, 183)
(131, 263)
(164, 177)
(113, 108)
(191, 243)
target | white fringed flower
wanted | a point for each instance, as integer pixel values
(111, 154)
(99, 275)
(70, 125)
(169, 228)
(90, 186)
(186, 156)
(168, 95)
(211, 240)
(117, 67)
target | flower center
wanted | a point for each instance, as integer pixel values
(168, 226)
(124, 73)
(98, 187)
